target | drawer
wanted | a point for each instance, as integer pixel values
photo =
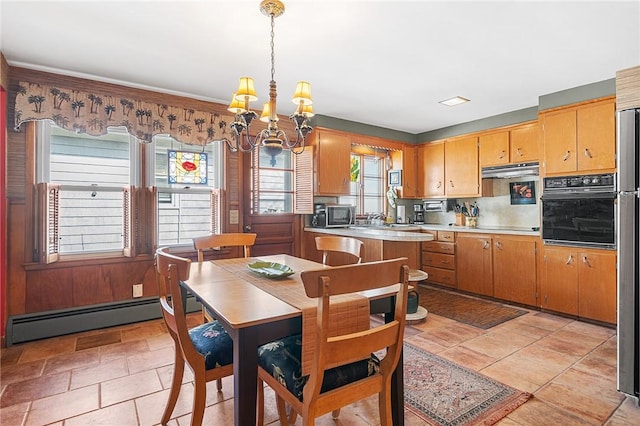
(446, 236)
(440, 276)
(438, 247)
(439, 260)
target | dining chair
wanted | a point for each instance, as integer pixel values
(335, 244)
(231, 239)
(344, 368)
(207, 349)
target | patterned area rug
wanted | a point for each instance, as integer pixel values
(443, 393)
(469, 310)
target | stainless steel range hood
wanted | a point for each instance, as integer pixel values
(510, 171)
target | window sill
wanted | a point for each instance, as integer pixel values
(82, 260)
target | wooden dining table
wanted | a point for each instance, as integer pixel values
(253, 310)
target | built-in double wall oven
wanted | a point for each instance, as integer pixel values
(580, 211)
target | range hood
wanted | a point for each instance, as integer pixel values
(510, 171)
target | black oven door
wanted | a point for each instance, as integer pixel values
(585, 219)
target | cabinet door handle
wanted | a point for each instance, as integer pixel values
(499, 245)
(587, 153)
(451, 182)
(566, 156)
(502, 154)
(519, 152)
(569, 260)
(444, 262)
(586, 261)
(485, 245)
(439, 184)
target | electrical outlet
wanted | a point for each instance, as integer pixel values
(137, 290)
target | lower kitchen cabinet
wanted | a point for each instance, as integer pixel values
(580, 282)
(474, 264)
(438, 258)
(515, 274)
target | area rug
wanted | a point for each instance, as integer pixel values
(469, 310)
(443, 393)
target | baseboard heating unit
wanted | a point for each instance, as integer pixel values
(42, 325)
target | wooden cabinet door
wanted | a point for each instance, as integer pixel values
(409, 172)
(333, 163)
(597, 285)
(474, 263)
(559, 284)
(514, 269)
(560, 142)
(596, 137)
(461, 167)
(494, 149)
(524, 144)
(431, 170)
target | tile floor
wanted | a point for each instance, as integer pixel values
(121, 376)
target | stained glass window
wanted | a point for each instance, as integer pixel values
(187, 167)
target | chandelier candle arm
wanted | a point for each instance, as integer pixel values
(273, 140)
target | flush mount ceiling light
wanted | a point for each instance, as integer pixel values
(272, 139)
(454, 101)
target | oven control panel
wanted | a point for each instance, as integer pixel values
(581, 182)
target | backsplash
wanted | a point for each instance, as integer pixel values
(496, 211)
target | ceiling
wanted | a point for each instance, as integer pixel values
(385, 63)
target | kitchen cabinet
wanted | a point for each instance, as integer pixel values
(515, 263)
(516, 145)
(474, 263)
(580, 139)
(431, 170)
(409, 161)
(438, 258)
(333, 161)
(461, 167)
(580, 282)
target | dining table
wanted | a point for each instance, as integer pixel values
(257, 307)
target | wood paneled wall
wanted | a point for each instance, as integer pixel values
(33, 287)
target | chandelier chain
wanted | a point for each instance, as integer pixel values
(273, 61)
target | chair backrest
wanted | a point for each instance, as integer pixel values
(346, 245)
(339, 350)
(170, 270)
(232, 239)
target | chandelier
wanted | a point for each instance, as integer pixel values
(271, 139)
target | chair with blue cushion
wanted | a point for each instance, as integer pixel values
(344, 368)
(207, 349)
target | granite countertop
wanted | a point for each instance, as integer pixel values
(483, 229)
(411, 232)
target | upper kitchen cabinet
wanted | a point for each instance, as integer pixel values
(333, 155)
(516, 145)
(461, 167)
(431, 170)
(580, 138)
(407, 160)
(494, 149)
(525, 143)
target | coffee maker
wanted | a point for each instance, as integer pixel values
(418, 214)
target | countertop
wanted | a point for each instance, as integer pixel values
(376, 233)
(411, 232)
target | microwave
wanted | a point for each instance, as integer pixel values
(333, 215)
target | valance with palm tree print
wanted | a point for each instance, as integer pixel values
(92, 113)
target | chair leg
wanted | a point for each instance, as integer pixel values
(384, 405)
(293, 415)
(219, 384)
(260, 407)
(335, 414)
(176, 384)
(282, 411)
(199, 397)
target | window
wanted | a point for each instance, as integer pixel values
(367, 183)
(272, 186)
(185, 211)
(92, 176)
